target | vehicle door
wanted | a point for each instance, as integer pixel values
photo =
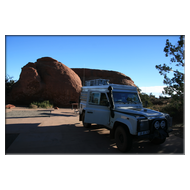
(97, 110)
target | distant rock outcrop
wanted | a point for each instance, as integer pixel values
(46, 79)
(113, 76)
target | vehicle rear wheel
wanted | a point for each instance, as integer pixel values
(123, 139)
(86, 125)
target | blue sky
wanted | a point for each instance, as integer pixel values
(135, 56)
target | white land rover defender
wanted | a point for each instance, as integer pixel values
(119, 108)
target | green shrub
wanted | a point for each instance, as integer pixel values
(175, 109)
(146, 100)
(9, 82)
(33, 106)
(44, 104)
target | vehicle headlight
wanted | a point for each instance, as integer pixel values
(163, 124)
(156, 124)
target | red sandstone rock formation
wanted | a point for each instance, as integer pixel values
(113, 76)
(46, 79)
(9, 106)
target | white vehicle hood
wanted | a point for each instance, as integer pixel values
(139, 111)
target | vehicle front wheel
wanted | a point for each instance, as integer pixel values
(123, 139)
(86, 125)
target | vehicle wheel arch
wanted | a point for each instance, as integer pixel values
(116, 124)
(123, 137)
(81, 115)
(86, 125)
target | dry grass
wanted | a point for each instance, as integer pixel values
(33, 106)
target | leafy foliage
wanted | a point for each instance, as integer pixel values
(9, 82)
(174, 109)
(171, 105)
(44, 104)
(175, 85)
(146, 100)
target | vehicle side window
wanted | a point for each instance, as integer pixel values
(94, 98)
(98, 98)
(103, 100)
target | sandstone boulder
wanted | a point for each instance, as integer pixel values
(9, 106)
(113, 76)
(46, 79)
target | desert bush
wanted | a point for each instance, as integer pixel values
(9, 82)
(44, 104)
(175, 109)
(33, 106)
(145, 98)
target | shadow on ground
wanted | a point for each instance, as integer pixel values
(75, 139)
(64, 139)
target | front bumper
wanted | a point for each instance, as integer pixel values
(159, 134)
(151, 132)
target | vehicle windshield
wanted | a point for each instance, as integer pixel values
(126, 97)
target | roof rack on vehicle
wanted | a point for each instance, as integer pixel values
(96, 82)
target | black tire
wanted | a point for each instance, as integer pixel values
(86, 125)
(123, 139)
